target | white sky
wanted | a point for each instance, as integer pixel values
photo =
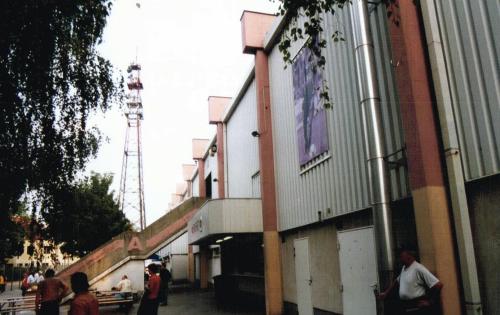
(188, 49)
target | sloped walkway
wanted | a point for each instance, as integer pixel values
(140, 245)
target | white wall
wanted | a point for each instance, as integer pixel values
(214, 268)
(180, 245)
(211, 168)
(196, 186)
(134, 270)
(242, 151)
(179, 267)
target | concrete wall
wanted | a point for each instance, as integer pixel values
(134, 270)
(211, 168)
(324, 262)
(484, 200)
(214, 268)
(179, 267)
(196, 187)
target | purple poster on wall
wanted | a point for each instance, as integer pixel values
(310, 116)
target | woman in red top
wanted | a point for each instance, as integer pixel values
(83, 303)
(149, 302)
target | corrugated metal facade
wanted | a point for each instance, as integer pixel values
(471, 39)
(211, 168)
(241, 148)
(336, 182)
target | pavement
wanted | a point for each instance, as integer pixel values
(179, 303)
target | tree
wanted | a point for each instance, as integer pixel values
(51, 79)
(12, 240)
(84, 216)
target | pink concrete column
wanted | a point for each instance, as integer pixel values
(216, 108)
(254, 27)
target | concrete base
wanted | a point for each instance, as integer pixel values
(272, 273)
(436, 244)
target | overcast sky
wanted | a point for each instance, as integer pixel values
(188, 50)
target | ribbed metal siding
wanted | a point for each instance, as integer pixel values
(338, 185)
(471, 38)
(241, 148)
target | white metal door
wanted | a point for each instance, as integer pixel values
(358, 271)
(303, 276)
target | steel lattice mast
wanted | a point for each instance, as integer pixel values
(131, 183)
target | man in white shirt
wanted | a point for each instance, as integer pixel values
(40, 277)
(124, 285)
(31, 278)
(418, 288)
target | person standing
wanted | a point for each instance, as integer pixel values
(418, 289)
(149, 301)
(25, 284)
(84, 303)
(50, 292)
(165, 277)
(3, 282)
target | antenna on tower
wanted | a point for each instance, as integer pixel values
(131, 196)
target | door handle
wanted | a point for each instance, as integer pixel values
(310, 281)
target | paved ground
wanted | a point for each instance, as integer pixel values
(183, 303)
(194, 303)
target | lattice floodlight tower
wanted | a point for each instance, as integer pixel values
(131, 184)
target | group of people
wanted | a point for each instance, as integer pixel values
(31, 280)
(156, 289)
(51, 290)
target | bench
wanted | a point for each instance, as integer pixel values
(17, 304)
(105, 298)
(110, 298)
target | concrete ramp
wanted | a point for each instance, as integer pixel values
(130, 248)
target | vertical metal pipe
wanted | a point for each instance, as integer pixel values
(374, 139)
(463, 230)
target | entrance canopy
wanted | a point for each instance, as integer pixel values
(223, 218)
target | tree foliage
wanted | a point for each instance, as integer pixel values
(84, 216)
(51, 79)
(11, 240)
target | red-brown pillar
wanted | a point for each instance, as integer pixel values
(216, 108)
(432, 212)
(201, 178)
(199, 147)
(191, 265)
(220, 161)
(254, 27)
(272, 259)
(204, 253)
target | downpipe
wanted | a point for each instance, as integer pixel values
(374, 141)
